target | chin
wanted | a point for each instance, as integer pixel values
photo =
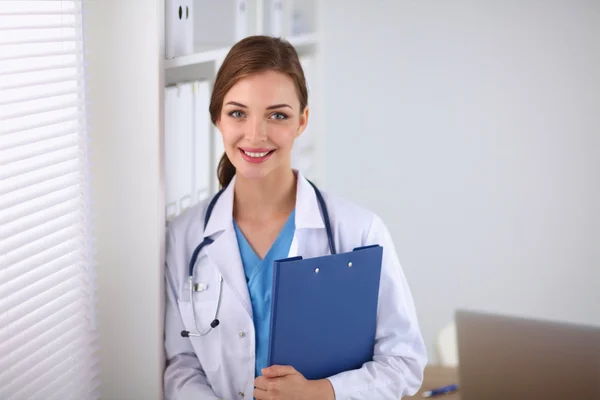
(253, 172)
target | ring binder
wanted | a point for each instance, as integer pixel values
(324, 313)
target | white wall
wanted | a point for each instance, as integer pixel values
(473, 129)
(125, 89)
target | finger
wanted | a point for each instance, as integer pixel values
(261, 383)
(260, 394)
(275, 371)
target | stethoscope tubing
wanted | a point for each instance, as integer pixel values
(207, 240)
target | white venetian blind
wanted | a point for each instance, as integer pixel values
(47, 323)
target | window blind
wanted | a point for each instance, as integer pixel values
(47, 316)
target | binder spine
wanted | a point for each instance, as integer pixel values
(276, 265)
(365, 247)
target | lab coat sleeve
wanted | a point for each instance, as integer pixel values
(183, 376)
(400, 355)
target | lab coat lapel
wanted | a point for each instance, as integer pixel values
(294, 249)
(310, 237)
(224, 254)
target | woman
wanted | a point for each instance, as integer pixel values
(269, 211)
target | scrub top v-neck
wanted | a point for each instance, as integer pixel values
(259, 276)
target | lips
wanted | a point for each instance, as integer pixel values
(256, 156)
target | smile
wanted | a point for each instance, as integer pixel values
(257, 155)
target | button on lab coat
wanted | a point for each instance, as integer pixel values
(220, 364)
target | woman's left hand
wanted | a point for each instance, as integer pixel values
(285, 383)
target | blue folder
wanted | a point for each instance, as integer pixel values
(324, 311)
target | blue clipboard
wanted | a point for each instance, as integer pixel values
(324, 311)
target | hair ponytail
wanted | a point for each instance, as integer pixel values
(225, 171)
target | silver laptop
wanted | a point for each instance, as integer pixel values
(512, 358)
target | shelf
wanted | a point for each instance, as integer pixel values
(301, 41)
(213, 53)
(201, 55)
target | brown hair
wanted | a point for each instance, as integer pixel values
(252, 55)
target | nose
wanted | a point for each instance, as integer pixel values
(256, 130)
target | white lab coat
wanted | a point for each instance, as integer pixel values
(220, 365)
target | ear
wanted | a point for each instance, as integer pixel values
(303, 122)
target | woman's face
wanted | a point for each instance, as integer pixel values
(259, 121)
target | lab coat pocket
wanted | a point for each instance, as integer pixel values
(207, 345)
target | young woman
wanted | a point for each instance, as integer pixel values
(269, 211)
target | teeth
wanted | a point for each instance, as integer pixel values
(256, 155)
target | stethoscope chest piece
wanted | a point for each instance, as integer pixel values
(201, 287)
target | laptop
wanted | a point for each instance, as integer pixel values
(504, 357)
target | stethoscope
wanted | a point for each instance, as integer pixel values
(208, 240)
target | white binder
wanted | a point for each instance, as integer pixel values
(274, 11)
(170, 153)
(242, 16)
(221, 22)
(306, 140)
(218, 149)
(186, 145)
(302, 17)
(304, 150)
(179, 180)
(179, 28)
(201, 156)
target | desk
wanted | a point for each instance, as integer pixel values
(435, 377)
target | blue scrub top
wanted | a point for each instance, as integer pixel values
(259, 275)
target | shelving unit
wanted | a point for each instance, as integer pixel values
(205, 54)
(204, 62)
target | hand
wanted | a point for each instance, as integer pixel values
(281, 382)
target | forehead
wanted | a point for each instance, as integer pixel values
(264, 88)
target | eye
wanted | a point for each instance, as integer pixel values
(279, 116)
(236, 114)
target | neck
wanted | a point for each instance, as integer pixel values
(265, 198)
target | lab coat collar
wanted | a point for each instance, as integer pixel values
(221, 221)
(308, 213)
(221, 218)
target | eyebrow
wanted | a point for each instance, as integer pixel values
(274, 106)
